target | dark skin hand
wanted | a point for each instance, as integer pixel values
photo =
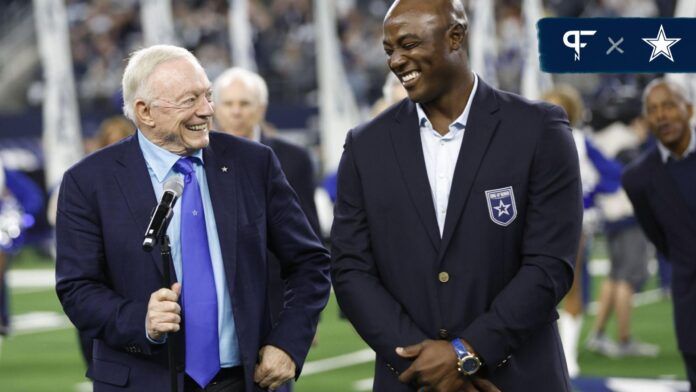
(434, 368)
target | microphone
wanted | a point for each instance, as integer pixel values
(173, 188)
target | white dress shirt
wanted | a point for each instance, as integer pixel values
(441, 153)
(665, 152)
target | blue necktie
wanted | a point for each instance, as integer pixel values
(198, 290)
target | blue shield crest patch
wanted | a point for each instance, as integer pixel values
(501, 205)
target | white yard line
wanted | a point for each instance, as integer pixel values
(643, 385)
(341, 361)
(639, 299)
(31, 278)
(35, 322)
(364, 384)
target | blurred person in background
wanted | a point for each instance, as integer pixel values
(661, 185)
(629, 250)
(457, 221)
(111, 130)
(599, 175)
(4, 306)
(21, 202)
(235, 203)
(241, 100)
(392, 92)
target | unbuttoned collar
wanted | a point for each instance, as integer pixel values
(458, 125)
(665, 153)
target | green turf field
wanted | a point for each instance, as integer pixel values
(50, 361)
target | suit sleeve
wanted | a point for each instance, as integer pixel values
(304, 186)
(82, 282)
(377, 316)
(553, 222)
(643, 212)
(304, 265)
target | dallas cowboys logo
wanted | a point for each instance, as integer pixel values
(501, 205)
(661, 45)
(502, 208)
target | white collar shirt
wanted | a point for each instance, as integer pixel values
(440, 153)
(665, 153)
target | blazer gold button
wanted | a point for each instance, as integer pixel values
(443, 276)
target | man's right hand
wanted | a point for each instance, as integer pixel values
(163, 312)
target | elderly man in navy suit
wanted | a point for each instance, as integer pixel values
(235, 204)
(662, 187)
(457, 221)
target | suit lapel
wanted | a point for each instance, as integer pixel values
(135, 184)
(222, 176)
(667, 190)
(480, 128)
(405, 135)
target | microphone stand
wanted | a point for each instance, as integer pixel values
(165, 250)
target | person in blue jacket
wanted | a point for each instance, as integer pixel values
(21, 201)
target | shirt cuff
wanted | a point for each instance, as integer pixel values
(161, 340)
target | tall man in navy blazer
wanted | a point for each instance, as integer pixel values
(110, 288)
(457, 221)
(662, 187)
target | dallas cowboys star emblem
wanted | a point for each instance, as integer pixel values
(661, 45)
(502, 208)
(224, 169)
(195, 213)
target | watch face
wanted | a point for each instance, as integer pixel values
(470, 365)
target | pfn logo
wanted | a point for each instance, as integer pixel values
(576, 44)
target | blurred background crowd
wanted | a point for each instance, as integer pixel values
(103, 32)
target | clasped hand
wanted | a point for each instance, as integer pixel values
(434, 369)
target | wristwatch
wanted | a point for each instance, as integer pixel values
(467, 363)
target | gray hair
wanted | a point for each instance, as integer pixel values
(251, 79)
(675, 88)
(141, 64)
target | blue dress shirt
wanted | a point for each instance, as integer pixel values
(160, 164)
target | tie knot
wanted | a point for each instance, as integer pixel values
(185, 165)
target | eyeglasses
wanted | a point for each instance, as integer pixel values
(188, 102)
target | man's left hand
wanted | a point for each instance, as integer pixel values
(435, 366)
(274, 369)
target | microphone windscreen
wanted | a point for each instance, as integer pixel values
(174, 184)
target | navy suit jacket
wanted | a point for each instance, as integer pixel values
(105, 279)
(503, 282)
(297, 166)
(299, 170)
(667, 221)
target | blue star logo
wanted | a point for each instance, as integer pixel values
(502, 208)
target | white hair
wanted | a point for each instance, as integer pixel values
(250, 79)
(141, 64)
